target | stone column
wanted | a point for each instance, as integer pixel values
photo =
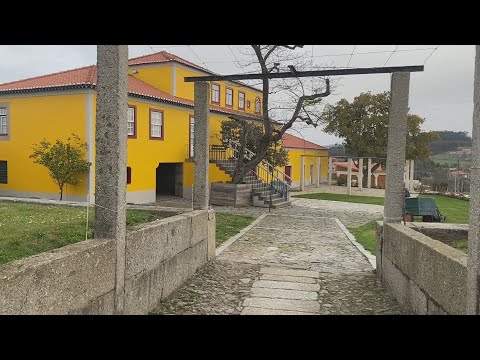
(360, 174)
(473, 264)
(302, 173)
(407, 173)
(369, 173)
(412, 169)
(330, 170)
(376, 180)
(397, 138)
(319, 171)
(349, 177)
(111, 155)
(201, 188)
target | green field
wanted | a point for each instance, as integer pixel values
(344, 198)
(450, 159)
(28, 229)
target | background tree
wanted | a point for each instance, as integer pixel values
(285, 100)
(62, 159)
(363, 126)
(251, 133)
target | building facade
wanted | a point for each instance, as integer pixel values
(160, 127)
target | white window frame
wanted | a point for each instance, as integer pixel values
(131, 110)
(227, 95)
(241, 99)
(216, 93)
(158, 125)
(4, 122)
(257, 105)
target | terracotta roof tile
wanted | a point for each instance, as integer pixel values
(290, 141)
(81, 76)
(344, 164)
(161, 57)
(87, 76)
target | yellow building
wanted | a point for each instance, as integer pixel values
(312, 154)
(160, 126)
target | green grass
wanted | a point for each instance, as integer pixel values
(27, 229)
(344, 198)
(456, 210)
(461, 245)
(366, 235)
(228, 225)
(450, 159)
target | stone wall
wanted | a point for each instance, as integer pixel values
(444, 232)
(425, 275)
(80, 278)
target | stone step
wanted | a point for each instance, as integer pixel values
(274, 201)
(281, 204)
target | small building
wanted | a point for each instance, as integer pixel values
(298, 148)
(340, 168)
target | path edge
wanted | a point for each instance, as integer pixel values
(372, 259)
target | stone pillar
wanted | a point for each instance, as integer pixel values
(111, 155)
(397, 138)
(330, 170)
(369, 173)
(349, 177)
(360, 174)
(473, 264)
(412, 169)
(302, 173)
(319, 171)
(201, 188)
(407, 173)
(376, 180)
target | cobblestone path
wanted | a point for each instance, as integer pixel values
(293, 261)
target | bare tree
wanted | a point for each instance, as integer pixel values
(293, 100)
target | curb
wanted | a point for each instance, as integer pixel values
(234, 238)
(371, 258)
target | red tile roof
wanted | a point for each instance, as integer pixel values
(344, 164)
(290, 141)
(161, 57)
(81, 76)
(87, 77)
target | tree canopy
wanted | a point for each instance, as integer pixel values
(62, 159)
(363, 126)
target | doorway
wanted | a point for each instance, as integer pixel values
(169, 179)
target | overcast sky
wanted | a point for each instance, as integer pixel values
(442, 94)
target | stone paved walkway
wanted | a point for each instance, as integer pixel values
(293, 261)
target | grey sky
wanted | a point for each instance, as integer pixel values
(442, 94)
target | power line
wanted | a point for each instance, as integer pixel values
(428, 57)
(391, 55)
(334, 55)
(198, 57)
(235, 56)
(351, 55)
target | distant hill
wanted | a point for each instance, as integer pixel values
(450, 141)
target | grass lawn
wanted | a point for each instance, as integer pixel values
(27, 229)
(343, 197)
(365, 235)
(228, 225)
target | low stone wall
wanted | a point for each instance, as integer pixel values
(446, 233)
(80, 278)
(425, 275)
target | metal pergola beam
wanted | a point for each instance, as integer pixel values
(298, 74)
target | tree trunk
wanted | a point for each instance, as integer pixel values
(61, 192)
